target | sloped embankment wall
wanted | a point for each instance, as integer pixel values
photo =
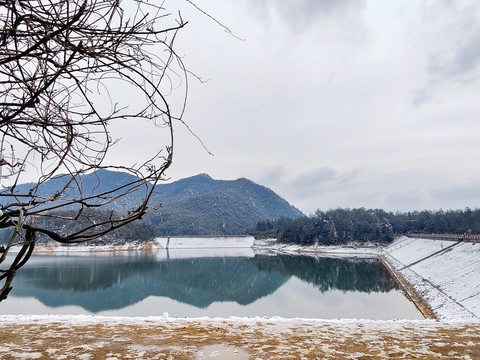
(204, 242)
(444, 273)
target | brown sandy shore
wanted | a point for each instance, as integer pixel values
(71, 337)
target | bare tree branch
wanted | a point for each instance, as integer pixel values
(58, 61)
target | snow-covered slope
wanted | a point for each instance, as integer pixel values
(445, 273)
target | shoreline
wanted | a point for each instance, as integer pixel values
(259, 245)
(409, 291)
(422, 293)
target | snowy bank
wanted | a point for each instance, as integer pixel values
(85, 320)
(444, 273)
(272, 246)
(210, 242)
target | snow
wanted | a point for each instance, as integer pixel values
(262, 338)
(271, 246)
(209, 244)
(67, 320)
(213, 242)
(444, 273)
(86, 248)
(221, 352)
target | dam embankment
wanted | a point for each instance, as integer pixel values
(444, 273)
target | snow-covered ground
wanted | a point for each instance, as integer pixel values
(82, 337)
(177, 248)
(272, 246)
(444, 273)
(156, 250)
(212, 242)
(209, 243)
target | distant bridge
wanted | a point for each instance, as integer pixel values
(475, 238)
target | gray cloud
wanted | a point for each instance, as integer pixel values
(316, 177)
(300, 14)
(271, 175)
(456, 53)
(326, 188)
(408, 199)
(421, 96)
(322, 181)
(461, 60)
(322, 187)
(324, 175)
(462, 194)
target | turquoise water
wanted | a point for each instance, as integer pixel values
(146, 284)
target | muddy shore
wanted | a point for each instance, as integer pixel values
(107, 338)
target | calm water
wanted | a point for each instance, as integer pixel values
(143, 284)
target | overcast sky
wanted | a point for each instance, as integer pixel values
(337, 103)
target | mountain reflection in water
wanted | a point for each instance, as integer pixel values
(102, 282)
(98, 283)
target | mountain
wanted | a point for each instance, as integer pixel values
(97, 182)
(187, 188)
(198, 205)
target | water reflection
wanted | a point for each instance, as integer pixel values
(102, 282)
(365, 275)
(99, 283)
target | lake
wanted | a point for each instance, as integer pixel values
(154, 283)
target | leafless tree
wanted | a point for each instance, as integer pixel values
(62, 65)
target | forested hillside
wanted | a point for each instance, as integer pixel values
(340, 226)
(198, 205)
(202, 206)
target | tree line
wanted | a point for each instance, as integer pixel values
(135, 232)
(344, 225)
